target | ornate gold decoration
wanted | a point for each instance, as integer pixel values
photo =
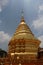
(23, 43)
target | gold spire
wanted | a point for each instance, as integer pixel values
(22, 18)
(23, 30)
(22, 13)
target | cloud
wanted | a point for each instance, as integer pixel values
(4, 36)
(38, 23)
(41, 38)
(41, 8)
(4, 40)
(3, 3)
(40, 11)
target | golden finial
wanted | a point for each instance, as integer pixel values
(22, 13)
(22, 17)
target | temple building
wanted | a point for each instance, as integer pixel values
(23, 48)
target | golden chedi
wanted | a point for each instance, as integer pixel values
(23, 44)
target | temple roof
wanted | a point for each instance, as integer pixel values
(23, 31)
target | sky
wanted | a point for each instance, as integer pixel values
(10, 16)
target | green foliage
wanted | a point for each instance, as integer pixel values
(3, 53)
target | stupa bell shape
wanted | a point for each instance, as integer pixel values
(23, 31)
